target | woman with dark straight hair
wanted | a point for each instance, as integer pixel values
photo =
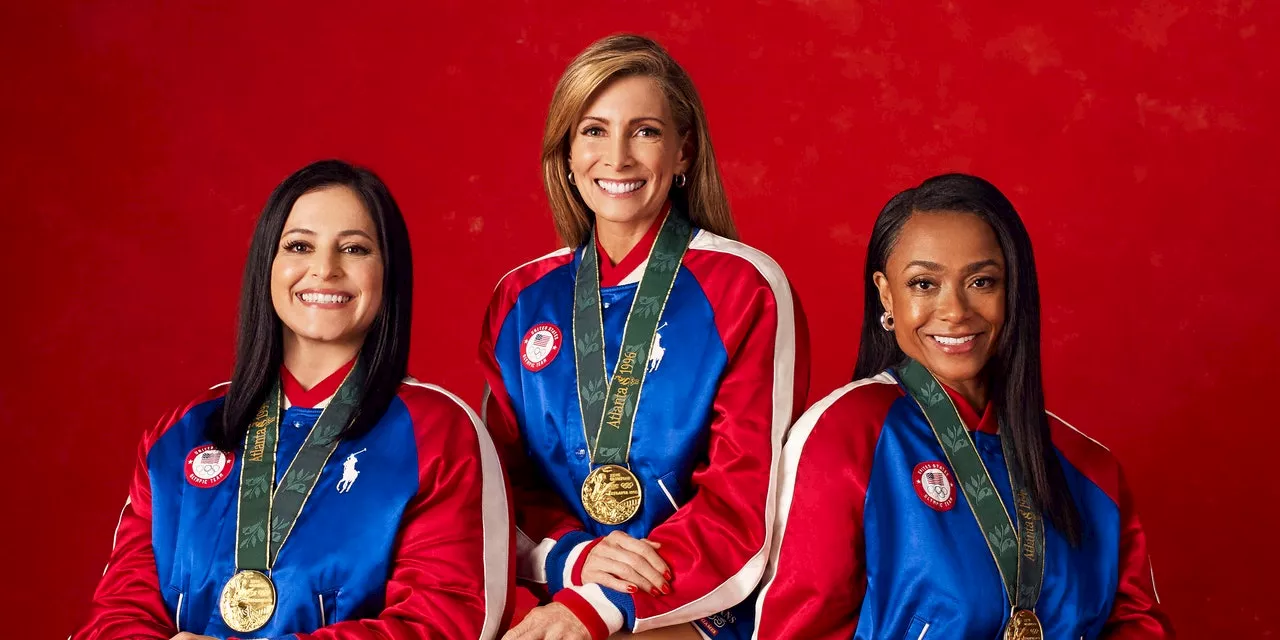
(934, 497)
(321, 493)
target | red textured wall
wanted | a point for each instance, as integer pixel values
(1137, 138)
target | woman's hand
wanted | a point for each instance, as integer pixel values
(550, 622)
(626, 564)
(191, 636)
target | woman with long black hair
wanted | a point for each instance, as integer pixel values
(934, 497)
(321, 494)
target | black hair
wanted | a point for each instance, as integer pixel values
(259, 342)
(1013, 375)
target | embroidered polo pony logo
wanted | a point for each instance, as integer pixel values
(349, 472)
(656, 352)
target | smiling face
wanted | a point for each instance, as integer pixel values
(626, 151)
(944, 284)
(326, 279)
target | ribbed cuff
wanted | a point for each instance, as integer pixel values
(587, 614)
(579, 559)
(561, 559)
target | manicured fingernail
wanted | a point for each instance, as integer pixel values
(666, 589)
(655, 593)
(631, 588)
(667, 575)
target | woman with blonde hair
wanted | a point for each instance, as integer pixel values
(643, 377)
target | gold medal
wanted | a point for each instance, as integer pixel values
(1023, 625)
(247, 601)
(611, 494)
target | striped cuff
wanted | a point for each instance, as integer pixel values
(597, 613)
(562, 557)
(577, 559)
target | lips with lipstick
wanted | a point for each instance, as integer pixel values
(620, 187)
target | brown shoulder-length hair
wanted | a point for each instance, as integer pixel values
(616, 56)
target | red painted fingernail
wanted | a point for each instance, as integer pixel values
(655, 593)
(666, 589)
(631, 588)
(667, 575)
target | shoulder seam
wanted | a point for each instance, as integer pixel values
(822, 405)
(708, 241)
(179, 413)
(558, 252)
(446, 393)
(1069, 426)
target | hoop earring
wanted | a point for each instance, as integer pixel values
(571, 180)
(886, 321)
(681, 180)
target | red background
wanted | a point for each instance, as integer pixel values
(1137, 138)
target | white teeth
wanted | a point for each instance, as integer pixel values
(618, 188)
(954, 341)
(324, 298)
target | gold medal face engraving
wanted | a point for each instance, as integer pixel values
(1023, 625)
(247, 601)
(611, 494)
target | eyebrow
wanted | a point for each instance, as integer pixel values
(633, 120)
(969, 268)
(341, 234)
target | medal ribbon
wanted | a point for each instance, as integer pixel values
(1019, 553)
(266, 515)
(608, 404)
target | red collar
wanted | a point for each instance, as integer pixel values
(308, 398)
(611, 275)
(988, 423)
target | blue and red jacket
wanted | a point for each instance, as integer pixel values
(874, 540)
(405, 535)
(728, 375)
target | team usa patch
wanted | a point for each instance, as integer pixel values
(207, 466)
(934, 485)
(540, 346)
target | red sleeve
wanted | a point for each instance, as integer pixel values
(717, 544)
(127, 602)
(451, 574)
(816, 578)
(1136, 613)
(541, 518)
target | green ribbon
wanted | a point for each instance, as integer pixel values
(266, 514)
(608, 403)
(1019, 553)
